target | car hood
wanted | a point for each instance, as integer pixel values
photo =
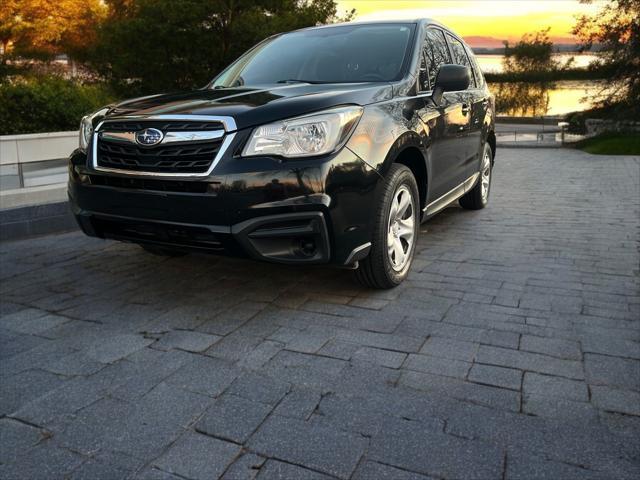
(251, 106)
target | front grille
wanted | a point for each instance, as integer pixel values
(183, 158)
(186, 157)
(152, 185)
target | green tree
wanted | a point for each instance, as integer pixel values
(532, 54)
(42, 28)
(617, 27)
(9, 26)
(156, 45)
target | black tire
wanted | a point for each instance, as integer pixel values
(376, 271)
(473, 199)
(162, 251)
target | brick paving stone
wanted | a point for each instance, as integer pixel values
(107, 466)
(246, 467)
(612, 371)
(152, 473)
(560, 408)
(609, 345)
(437, 365)
(309, 340)
(525, 466)
(455, 388)
(260, 355)
(551, 346)
(234, 347)
(366, 418)
(275, 470)
(198, 457)
(32, 321)
(18, 390)
(16, 437)
(325, 449)
(496, 376)
(318, 377)
(298, 403)
(339, 349)
(589, 444)
(233, 418)
(115, 347)
(500, 338)
(42, 462)
(614, 400)
(530, 361)
(408, 446)
(536, 384)
(208, 376)
(259, 388)
(400, 343)
(448, 348)
(186, 340)
(378, 471)
(386, 358)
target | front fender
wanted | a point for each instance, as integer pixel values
(384, 131)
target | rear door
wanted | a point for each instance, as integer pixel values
(471, 110)
(479, 108)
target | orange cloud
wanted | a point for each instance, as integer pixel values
(491, 18)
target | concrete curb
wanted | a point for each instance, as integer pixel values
(29, 221)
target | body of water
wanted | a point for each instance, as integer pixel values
(493, 63)
(537, 99)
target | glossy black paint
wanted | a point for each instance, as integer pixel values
(440, 142)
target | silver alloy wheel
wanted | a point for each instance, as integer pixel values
(485, 174)
(401, 231)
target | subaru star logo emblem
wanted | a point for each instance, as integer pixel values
(149, 136)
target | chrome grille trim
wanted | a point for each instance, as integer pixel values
(228, 134)
(169, 137)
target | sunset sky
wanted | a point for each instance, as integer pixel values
(498, 19)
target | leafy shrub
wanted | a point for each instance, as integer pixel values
(47, 104)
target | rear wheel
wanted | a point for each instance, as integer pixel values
(162, 251)
(395, 232)
(478, 196)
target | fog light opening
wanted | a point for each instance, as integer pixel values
(306, 247)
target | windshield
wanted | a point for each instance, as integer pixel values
(345, 53)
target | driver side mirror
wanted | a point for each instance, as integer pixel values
(451, 78)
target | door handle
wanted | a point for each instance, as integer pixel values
(466, 108)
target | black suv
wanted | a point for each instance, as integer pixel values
(323, 145)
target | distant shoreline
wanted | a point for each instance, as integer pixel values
(551, 76)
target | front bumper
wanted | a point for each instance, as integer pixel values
(309, 212)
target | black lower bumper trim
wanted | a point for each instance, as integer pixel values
(287, 238)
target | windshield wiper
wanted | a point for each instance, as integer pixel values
(297, 80)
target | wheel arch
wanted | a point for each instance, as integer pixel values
(408, 150)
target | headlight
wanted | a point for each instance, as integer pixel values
(86, 127)
(86, 130)
(306, 136)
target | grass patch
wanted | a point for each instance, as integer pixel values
(612, 144)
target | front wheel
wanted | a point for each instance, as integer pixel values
(478, 196)
(395, 232)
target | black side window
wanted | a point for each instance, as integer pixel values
(434, 54)
(460, 57)
(476, 70)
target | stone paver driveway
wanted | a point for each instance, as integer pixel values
(512, 352)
